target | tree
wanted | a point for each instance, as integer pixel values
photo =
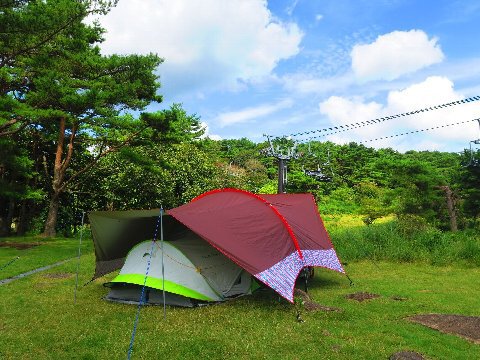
(150, 176)
(73, 95)
(469, 181)
(27, 27)
(372, 201)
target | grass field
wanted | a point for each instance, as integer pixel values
(17, 261)
(39, 320)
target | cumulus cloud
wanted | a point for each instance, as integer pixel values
(252, 113)
(207, 133)
(209, 43)
(433, 91)
(395, 54)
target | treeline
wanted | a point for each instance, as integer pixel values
(69, 144)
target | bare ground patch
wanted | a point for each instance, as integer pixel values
(467, 327)
(406, 355)
(58, 275)
(362, 296)
(311, 305)
(19, 246)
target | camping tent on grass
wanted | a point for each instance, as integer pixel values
(193, 272)
(212, 246)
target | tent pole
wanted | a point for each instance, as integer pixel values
(78, 261)
(163, 267)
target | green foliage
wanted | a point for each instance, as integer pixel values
(407, 239)
(372, 200)
(150, 176)
(173, 125)
(269, 188)
(339, 201)
(469, 178)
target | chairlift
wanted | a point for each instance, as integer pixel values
(320, 174)
(474, 162)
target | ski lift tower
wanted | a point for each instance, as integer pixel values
(473, 161)
(282, 159)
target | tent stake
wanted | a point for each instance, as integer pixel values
(351, 281)
(78, 260)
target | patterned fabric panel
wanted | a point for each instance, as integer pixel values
(281, 277)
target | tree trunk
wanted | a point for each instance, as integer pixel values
(9, 220)
(450, 207)
(58, 181)
(51, 221)
(23, 219)
(6, 223)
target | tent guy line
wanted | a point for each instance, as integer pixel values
(34, 271)
(142, 294)
(9, 263)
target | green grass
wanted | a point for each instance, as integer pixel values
(436, 272)
(40, 321)
(50, 251)
(404, 240)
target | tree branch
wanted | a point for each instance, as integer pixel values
(100, 155)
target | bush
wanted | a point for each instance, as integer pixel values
(406, 239)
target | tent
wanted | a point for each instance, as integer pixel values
(193, 272)
(223, 236)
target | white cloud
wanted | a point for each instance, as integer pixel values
(433, 91)
(207, 134)
(318, 17)
(395, 54)
(302, 83)
(206, 44)
(251, 113)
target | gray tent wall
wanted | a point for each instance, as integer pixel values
(116, 232)
(192, 268)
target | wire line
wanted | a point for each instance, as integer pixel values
(142, 296)
(417, 131)
(341, 128)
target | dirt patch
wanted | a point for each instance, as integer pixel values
(19, 246)
(467, 327)
(314, 306)
(399, 298)
(311, 305)
(406, 355)
(362, 296)
(57, 275)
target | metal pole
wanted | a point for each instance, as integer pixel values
(78, 261)
(163, 267)
(281, 175)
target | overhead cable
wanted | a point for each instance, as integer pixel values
(346, 127)
(418, 131)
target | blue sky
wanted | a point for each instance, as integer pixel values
(252, 67)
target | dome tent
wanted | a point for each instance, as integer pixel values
(272, 237)
(194, 272)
